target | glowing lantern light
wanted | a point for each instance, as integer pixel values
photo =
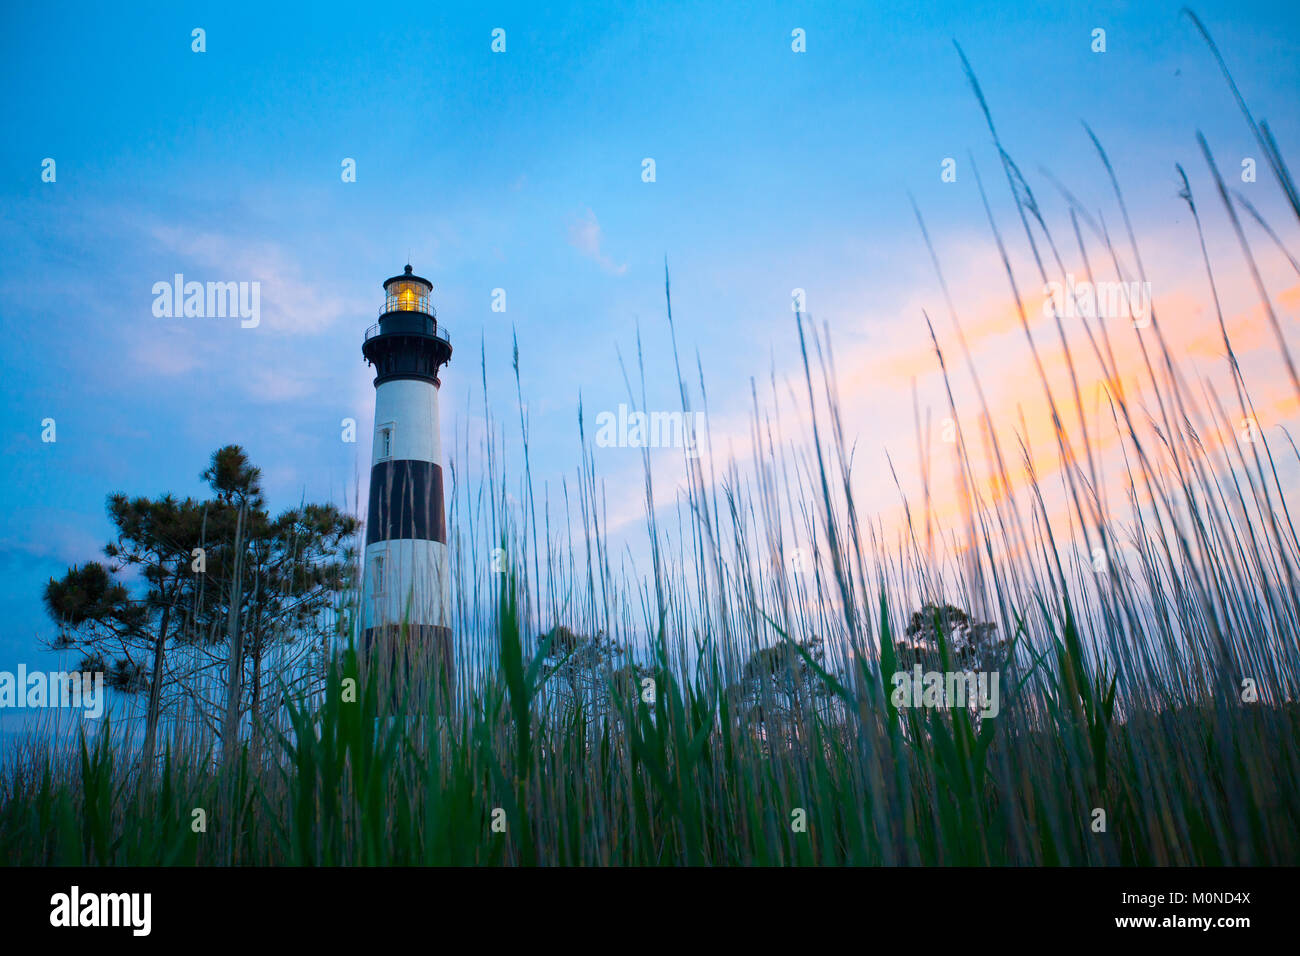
(407, 293)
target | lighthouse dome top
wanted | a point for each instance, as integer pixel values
(409, 276)
(407, 293)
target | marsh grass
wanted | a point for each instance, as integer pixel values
(1122, 692)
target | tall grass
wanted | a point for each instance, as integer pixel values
(1123, 693)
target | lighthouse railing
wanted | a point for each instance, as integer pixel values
(439, 332)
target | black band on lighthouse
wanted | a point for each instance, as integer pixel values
(406, 502)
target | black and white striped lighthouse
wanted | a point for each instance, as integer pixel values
(406, 592)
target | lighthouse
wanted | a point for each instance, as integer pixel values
(406, 598)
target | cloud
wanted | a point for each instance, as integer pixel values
(55, 535)
(289, 303)
(885, 354)
(586, 236)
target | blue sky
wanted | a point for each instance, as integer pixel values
(522, 171)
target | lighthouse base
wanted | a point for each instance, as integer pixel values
(413, 665)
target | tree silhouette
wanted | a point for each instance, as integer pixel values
(972, 645)
(96, 613)
(779, 690)
(582, 675)
(221, 579)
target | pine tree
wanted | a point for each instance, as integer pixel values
(223, 581)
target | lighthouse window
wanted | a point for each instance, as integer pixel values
(378, 576)
(386, 441)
